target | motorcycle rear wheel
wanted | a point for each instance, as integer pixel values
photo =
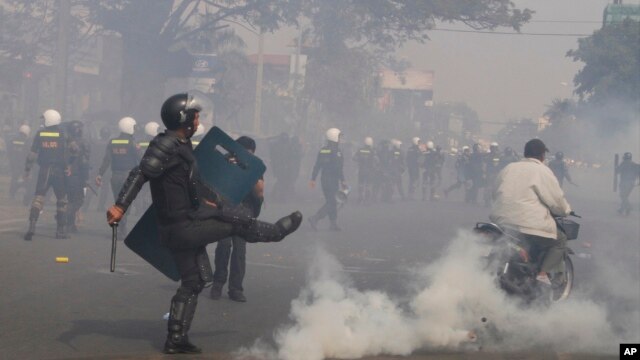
(562, 283)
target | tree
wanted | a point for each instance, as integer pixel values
(612, 59)
(352, 39)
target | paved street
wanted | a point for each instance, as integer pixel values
(80, 310)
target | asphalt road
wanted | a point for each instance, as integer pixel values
(79, 310)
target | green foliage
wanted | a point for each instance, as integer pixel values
(612, 59)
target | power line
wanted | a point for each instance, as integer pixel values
(567, 21)
(510, 33)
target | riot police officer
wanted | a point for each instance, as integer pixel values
(462, 171)
(413, 164)
(476, 173)
(121, 155)
(190, 214)
(432, 165)
(560, 169)
(508, 157)
(50, 150)
(79, 153)
(367, 161)
(491, 169)
(150, 131)
(396, 168)
(330, 163)
(628, 172)
(17, 151)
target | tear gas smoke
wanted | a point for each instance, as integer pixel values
(453, 297)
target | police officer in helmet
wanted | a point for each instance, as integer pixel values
(190, 214)
(330, 163)
(50, 150)
(560, 169)
(121, 156)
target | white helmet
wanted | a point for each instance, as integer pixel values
(25, 129)
(415, 140)
(200, 131)
(368, 141)
(333, 134)
(51, 118)
(127, 125)
(430, 145)
(151, 128)
(494, 144)
(396, 142)
(465, 148)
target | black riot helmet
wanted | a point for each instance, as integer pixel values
(559, 155)
(179, 110)
(626, 156)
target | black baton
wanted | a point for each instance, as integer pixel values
(114, 242)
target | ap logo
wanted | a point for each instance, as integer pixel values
(629, 351)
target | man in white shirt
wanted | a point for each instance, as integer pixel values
(526, 198)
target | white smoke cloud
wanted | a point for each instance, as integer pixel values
(331, 318)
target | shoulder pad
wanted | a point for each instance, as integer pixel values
(160, 151)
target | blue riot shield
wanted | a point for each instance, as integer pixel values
(232, 181)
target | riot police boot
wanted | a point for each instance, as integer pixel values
(32, 230)
(334, 226)
(61, 232)
(289, 224)
(180, 316)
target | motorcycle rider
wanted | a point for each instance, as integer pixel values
(526, 197)
(628, 172)
(190, 214)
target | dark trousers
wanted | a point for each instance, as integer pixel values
(414, 178)
(330, 206)
(50, 177)
(230, 254)
(75, 191)
(625, 190)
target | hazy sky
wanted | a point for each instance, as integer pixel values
(500, 76)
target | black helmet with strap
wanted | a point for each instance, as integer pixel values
(179, 110)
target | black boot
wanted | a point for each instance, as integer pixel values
(289, 224)
(260, 231)
(32, 230)
(181, 314)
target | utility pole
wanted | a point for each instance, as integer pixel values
(258, 105)
(62, 56)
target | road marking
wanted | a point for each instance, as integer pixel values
(11, 221)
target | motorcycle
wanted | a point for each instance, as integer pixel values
(516, 262)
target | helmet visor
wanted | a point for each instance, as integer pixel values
(202, 103)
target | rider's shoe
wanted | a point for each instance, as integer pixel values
(544, 279)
